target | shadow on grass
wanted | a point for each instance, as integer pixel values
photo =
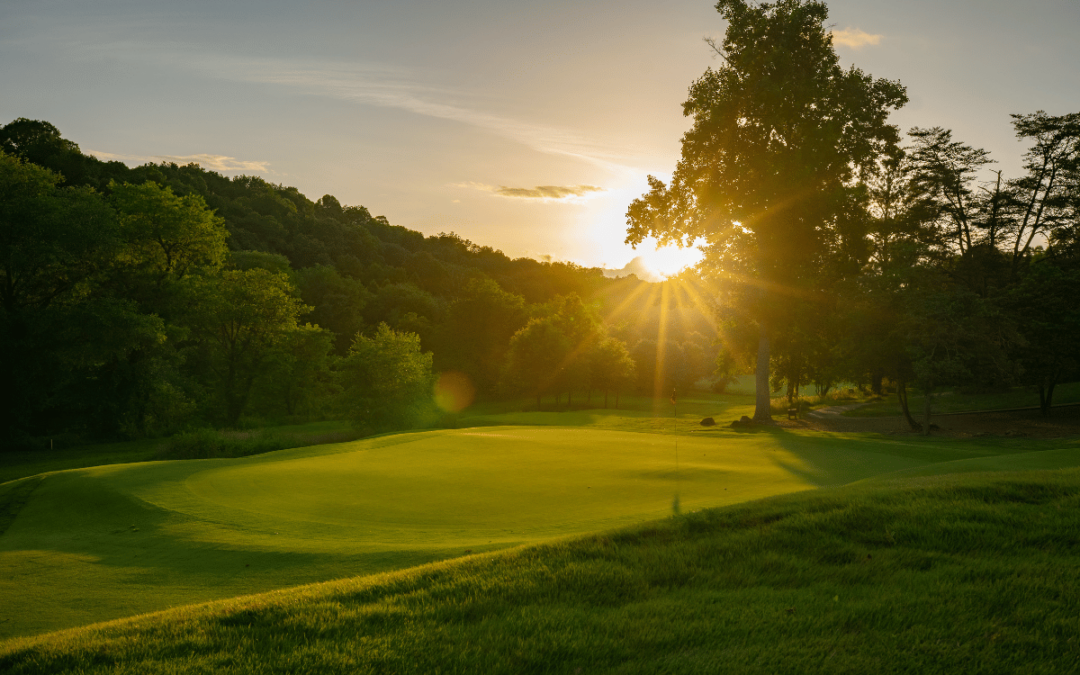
(116, 555)
(827, 459)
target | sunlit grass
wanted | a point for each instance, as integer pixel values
(112, 541)
(971, 573)
(121, 539)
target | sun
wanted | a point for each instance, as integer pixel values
(667, 261)
(604, 242)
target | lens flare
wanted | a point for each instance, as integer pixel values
(454, 391)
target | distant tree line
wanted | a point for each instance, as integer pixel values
(140, 301)
(969, 282)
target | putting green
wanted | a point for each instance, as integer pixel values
(101, 543)
(502, 485)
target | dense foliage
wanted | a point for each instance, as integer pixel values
(767, 176)
(839, 255)
(143, 301)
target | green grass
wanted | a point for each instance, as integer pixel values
(98, 543)
(636, 413)
(20, 464)
(116, 540)
(928, 574)
(954, 402)
(106, 542)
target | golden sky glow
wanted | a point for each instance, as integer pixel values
(528, 127)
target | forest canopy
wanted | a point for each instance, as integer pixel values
(141, 301)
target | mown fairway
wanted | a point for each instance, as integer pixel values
(95, 544)
(941, 574)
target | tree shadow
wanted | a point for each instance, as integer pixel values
(828, 458)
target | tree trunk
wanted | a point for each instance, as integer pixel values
(763, 401)
(927, 403)
(605, 399)
(875, 382)
(901, 394)
(616, 399)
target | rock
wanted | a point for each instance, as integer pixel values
(708, 422)
(742, 423)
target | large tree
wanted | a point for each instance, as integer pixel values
(1047, 194)
(386, 380)
(769, 174)
(477, 331)
(536, 358)
(610, 367)
(1045, 308)
(56, 327)
(245, 315)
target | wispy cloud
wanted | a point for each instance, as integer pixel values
(548, 192)
(367, 84)
(217, 162)
(856, 38)
(206, 161)
(396, 88)
(112, 157)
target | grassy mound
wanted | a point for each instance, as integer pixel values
(969, 572)
(198, 444)
(102, 543)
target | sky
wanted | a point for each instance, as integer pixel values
(525, 126)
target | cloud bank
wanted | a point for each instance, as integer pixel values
(206, 161)
(217, 162)
(855, 38)
(637, 267)
(546, 192)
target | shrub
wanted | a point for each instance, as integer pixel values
(210, 444)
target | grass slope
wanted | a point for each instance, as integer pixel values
(20, 464)
(112, 541)
(95, 544)
(971, 572)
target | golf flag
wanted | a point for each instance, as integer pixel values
(672, 397)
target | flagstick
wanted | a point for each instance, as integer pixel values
(674, 402)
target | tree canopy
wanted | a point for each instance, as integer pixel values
(769, 174)
(117, 282)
